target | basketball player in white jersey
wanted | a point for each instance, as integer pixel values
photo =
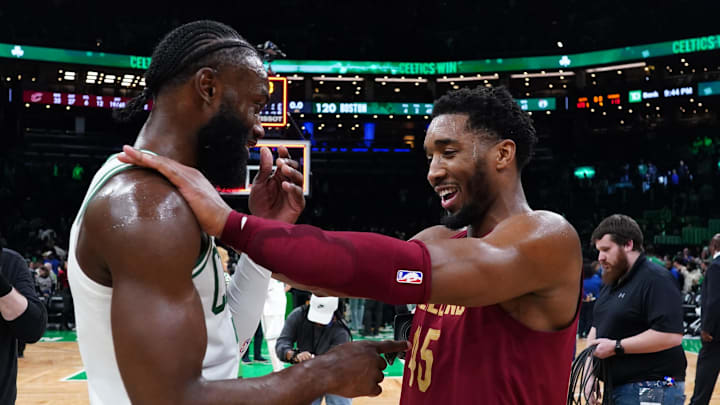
(154, 323)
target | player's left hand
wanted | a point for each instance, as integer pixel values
(605, 348)
(277, 195)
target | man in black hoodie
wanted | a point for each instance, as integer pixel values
(22, 316)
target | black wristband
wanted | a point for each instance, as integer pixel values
(5, 286)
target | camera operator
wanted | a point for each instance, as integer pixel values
(22, 317)
(316, 328)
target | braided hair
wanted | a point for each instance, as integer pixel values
(181, 53)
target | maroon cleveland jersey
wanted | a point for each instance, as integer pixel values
(481, 355)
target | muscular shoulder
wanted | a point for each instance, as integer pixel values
(540, 227)
(545, 238)
(138, 210)
(435, 232)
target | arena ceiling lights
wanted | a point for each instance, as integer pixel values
(338, 78)
(617, 67)
(542, 74)
(400, 80)
(462, 78)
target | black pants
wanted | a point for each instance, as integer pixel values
(373, 317)
(586, 318)
(708, 366)
(257, 345)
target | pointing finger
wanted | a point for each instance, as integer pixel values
(388, 346)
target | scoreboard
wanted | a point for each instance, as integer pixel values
(375, 108)
(77, 100)
(274, 114)
(599, 100)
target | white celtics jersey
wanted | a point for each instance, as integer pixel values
(92, 313)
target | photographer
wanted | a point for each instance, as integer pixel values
(316, 328)
(22, 316)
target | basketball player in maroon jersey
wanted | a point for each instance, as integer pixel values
(499, 300)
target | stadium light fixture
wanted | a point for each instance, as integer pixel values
(617, 67)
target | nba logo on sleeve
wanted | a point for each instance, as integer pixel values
(409, 277)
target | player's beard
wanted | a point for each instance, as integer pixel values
(474, 210)
(222, 149)
(616, 270)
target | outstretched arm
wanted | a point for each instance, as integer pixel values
(529, 253)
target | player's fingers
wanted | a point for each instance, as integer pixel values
(169, 168)
(388, 346)
(376, 390)
(382, 364)
(293, 163)
(283, 152)
(292, 174)
(265, 165)
(295, 192)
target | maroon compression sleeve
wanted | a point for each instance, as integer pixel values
(355, 263)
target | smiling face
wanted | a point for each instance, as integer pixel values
(223, 141)
(458, 170)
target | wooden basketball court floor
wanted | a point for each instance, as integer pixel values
(46, 364)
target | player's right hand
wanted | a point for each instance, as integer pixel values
(357, 367)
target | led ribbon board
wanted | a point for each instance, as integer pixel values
(636, 96)
(77, 100)
(42, 54)
(362, 108)
(569, 61)
(299, 151)
(274, 114)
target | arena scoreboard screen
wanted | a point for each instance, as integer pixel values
(299, 151)
(77, 100)
(275, 112)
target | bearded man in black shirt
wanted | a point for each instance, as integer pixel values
(637, 320)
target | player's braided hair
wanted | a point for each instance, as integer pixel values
(181, 53)
(492, 110)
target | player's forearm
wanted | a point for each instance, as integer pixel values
(13, 305)
(357, 264)
(651, 341)
(297, 385)
(592, 334)
(246, 295)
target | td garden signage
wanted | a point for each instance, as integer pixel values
(699, 44)
(427, 68)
